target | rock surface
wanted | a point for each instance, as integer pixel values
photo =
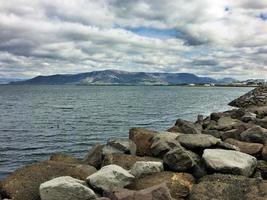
(110, 177)
(24, 183)
(229, 187)
(246, 147)
(179, 184)
(179, 159)
(143, 168)
(143, 140)
(126, 161)
(256, 97)
(119, 146)
(255, 134)
(187, 127)
(191, 141)
(229, 161)
(157, 192)
(66, 188)
(163, 142)
(65, 158)
(94, 156)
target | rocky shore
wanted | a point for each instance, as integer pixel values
(220, 157)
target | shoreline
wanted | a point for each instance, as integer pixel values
(227, 147)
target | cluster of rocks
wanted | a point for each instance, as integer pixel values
(222, 156)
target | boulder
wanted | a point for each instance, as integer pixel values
(24, 183)
(264, 153)
(65, 158)
(229, 161)
(120, 145)
(143, 140)
(246, 147)
(188, 127)
(229, 187)
(262, 168)
(224, 145)
(233, 133)
(179, 184)
(256, 97)
(126, 161)
(226, 123)
(255, 134)
(261, 122)
(260, 111)
(66, 188)
(157, 192)
(94, 156)
(179, 159)
(214, 133)
(192, 141)
(110, 177)
(144, 168)
(248, 117)
(163, 142)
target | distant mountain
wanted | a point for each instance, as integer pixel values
(8, 80)
(115, 77)
(226, 80)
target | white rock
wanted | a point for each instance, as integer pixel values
(110, 177)
(229, 161)
(143, 168)
(66, 188)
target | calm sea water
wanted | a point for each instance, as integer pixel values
(37, 121)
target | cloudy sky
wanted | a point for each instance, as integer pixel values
(218, 38)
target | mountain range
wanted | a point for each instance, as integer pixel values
(115, 77)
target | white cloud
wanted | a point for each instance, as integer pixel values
(216, 38)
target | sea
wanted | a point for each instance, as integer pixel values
(38, 121)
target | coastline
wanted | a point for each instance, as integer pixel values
(149, 161)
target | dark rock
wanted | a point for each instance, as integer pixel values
(262, 168)
(255, 134)
(188, 127)
(262, 122)
(249, 117)
(214, 133)
(120, 145)
(238, 113)
(256, 97)
(216, 116)
(229, 187)
(143, 140)
(157, 192)
(179, 159)
(65, 158)
(163, 142)
(246, 147)
(24, 183)
(179, 184)
(234, 133)
(125, 161)
(94, 156)
(260, 111)
(192, 141)
(264, 153)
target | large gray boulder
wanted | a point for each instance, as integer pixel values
(179, 159)
(192, 141)
(110, 177)
(163, 142)
(255, 134)
(122, 145)
(66, 188)
(143, 168)
(229, 161)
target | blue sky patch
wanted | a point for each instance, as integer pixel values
(263, 16)
(154, 33)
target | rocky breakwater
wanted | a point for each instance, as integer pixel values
(222, 156)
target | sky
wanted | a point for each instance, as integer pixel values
(216, 38)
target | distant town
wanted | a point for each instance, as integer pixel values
(245, 83)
